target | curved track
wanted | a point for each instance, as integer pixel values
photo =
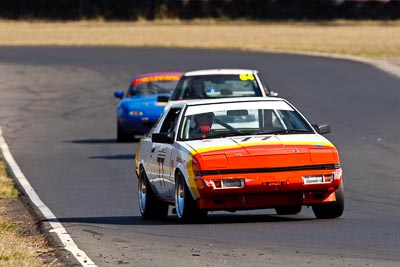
(57, 112)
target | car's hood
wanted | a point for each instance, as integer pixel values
(264, 151)
(147, 101)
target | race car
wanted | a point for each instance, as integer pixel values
(237, 154)
(140, 108)
(220, 83)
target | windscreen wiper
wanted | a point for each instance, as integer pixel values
(225, 134)
(287, 131)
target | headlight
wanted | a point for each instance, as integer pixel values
(196, 167)
(317, 179)
(228, 183)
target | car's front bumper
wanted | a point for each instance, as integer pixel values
(265, 191)
(136, 125)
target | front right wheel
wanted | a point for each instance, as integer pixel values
(331, 210)
(123, 136)
(186, 207)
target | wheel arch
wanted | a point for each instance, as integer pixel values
(141, 167)
(190, 183)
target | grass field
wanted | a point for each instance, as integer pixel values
(7, 189)
(16, 247)
(365, 38)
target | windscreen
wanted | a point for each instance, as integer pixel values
(152, 85)
(216, 86)
(222, 120)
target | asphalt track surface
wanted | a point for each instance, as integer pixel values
(57, 112)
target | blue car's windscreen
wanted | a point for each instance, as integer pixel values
(150, 88)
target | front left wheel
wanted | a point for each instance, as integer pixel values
(150, 207)
(331, 210)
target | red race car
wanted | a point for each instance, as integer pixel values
(237, 154)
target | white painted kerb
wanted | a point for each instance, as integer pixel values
(56, 227)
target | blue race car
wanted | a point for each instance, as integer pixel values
(143, 103)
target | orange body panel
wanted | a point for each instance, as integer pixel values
(262, 156)
(267, 183)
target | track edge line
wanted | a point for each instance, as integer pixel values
(56, 228)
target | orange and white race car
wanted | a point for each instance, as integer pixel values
(237, 154)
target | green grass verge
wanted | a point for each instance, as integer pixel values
(16, 249)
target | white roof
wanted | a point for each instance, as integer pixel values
(220, 71)
(261, 103)
(194, 102)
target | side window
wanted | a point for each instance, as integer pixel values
(170, 121)
(131, 91)
(295, 121)
(178, 92)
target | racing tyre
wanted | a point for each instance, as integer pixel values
(186, 207)
(123, 136)
(150, 207)
(331, 209)
(288, 210)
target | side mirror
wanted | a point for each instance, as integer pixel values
(119, 94)
(163, 98)
(273, 93)
(322, 129)
(165, 138)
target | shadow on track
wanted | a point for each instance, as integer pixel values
(93, 141)
(115, 157)
(172, 220)
(103, 141)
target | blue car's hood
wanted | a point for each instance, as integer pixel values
(146, 103)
